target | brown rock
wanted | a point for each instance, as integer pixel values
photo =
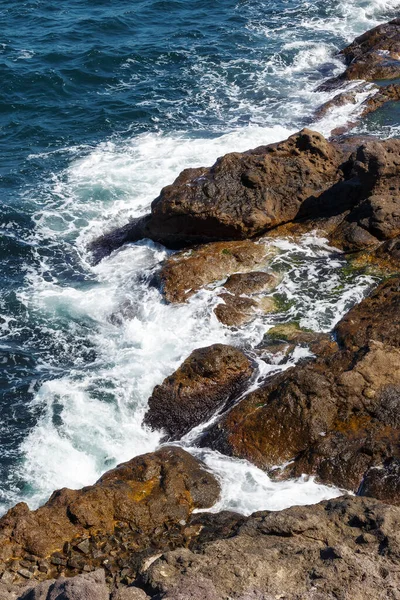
(240, 196)
(238, 310)
(143, 494)
(375, 55)
(344, 548)
(252, 283)
(185, 273)
(383, 482)
(377, 98)
(207, 381)
(335, 417)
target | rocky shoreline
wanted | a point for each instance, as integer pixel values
(137, 532)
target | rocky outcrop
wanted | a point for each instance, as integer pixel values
(335, 417)
(241, 196)
(352, 184)
(88, 586)
(344, 548)
(128, 510)
(375, 55)
(208, 380)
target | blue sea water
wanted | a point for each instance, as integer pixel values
(101, 104)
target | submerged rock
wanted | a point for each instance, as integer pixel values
(334, 417)
(130, 506)
(343, 548)
(185, 273)
(208, 380)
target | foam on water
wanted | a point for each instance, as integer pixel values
(111, 336)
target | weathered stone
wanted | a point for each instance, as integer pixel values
(374, 55)
(241, 196)
(302, 553)
(335, 417)
(144, 493)
(185, 273)
(383, 481)
(207, 380)
(90, 586)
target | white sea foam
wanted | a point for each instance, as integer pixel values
(90, 415)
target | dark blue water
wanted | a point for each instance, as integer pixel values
(101, 104)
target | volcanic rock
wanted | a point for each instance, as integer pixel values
(375, 55)
(141, 497)
(343, 548)
(185, 273)
(241, 196)
(208, 380)
(335, 417)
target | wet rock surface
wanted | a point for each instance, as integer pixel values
(334, 417)
(140, 504)
(184, 274)
(241, 196)
(375, 55)
(349, 185)
(207, 381)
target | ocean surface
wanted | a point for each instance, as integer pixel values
(101, 105)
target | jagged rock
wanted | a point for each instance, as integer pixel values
(141, 496)
(207, 380)
(89, 586)
(252, 283)
(241, 196)
(375, 55)
(235, 311)
(353, 184)
(184, 274)
(344, 548)
(283, 338)
(334, 417)
(383, 482)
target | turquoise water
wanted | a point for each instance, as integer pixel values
(101, 104)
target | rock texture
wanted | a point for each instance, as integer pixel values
(129, 509)
(185, 273)
(335, 417)
(208, 380)
(378, 96)
(241, 196)
(341, 549)
(351, 184)
(375, 55)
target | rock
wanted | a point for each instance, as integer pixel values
(184, 274)
(252, 283)
(350, 186)
(241, 196)
(90, 586)
(284, 337)
(129, 593)
(383, 482)
(334, 417)
(375, 55)
(377, 318)
(378, 96)
(376, 217)
(140, 497)
(344, 548)
(235, 311)
(208, 380)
